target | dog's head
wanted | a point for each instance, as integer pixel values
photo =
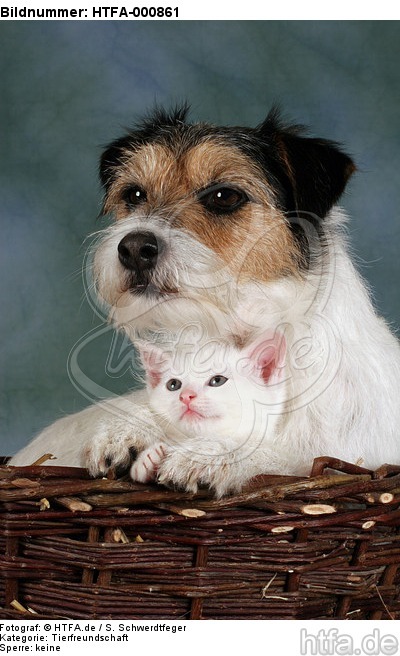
(198, 206)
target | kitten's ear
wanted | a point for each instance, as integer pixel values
(154, 360)
(266, 356)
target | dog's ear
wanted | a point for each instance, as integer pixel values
(314, 172)
(112, 158)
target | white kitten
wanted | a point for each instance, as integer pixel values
(219, 408)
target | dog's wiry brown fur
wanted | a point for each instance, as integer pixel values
(161, 183)
(172, 178)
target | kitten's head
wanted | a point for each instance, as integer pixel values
(216, 389)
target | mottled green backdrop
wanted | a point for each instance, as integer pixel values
(68, 87)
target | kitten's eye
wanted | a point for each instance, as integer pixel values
(173, 385)
(222, 200)
(134, 196)
(217, 381)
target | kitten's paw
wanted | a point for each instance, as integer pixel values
(146, 466)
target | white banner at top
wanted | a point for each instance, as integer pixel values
(173, 10)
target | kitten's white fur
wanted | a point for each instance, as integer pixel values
(235, 423)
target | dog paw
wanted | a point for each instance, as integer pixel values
(105, 453)
(118, 438)
(146, 465)
(187, 470)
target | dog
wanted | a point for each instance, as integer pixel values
(235, 230)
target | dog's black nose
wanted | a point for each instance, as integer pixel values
(139, 251)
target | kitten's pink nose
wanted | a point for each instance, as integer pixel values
(187, 396)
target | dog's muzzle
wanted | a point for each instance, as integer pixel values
(138, 253)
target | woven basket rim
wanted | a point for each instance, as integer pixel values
(324, 545)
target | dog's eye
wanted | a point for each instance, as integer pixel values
(222, 200)
(217, 381)
(135, 196)
(173, 385)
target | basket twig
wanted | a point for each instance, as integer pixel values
(324, 546)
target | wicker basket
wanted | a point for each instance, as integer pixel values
(327, 546)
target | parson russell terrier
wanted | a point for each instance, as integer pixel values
(233, 232)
